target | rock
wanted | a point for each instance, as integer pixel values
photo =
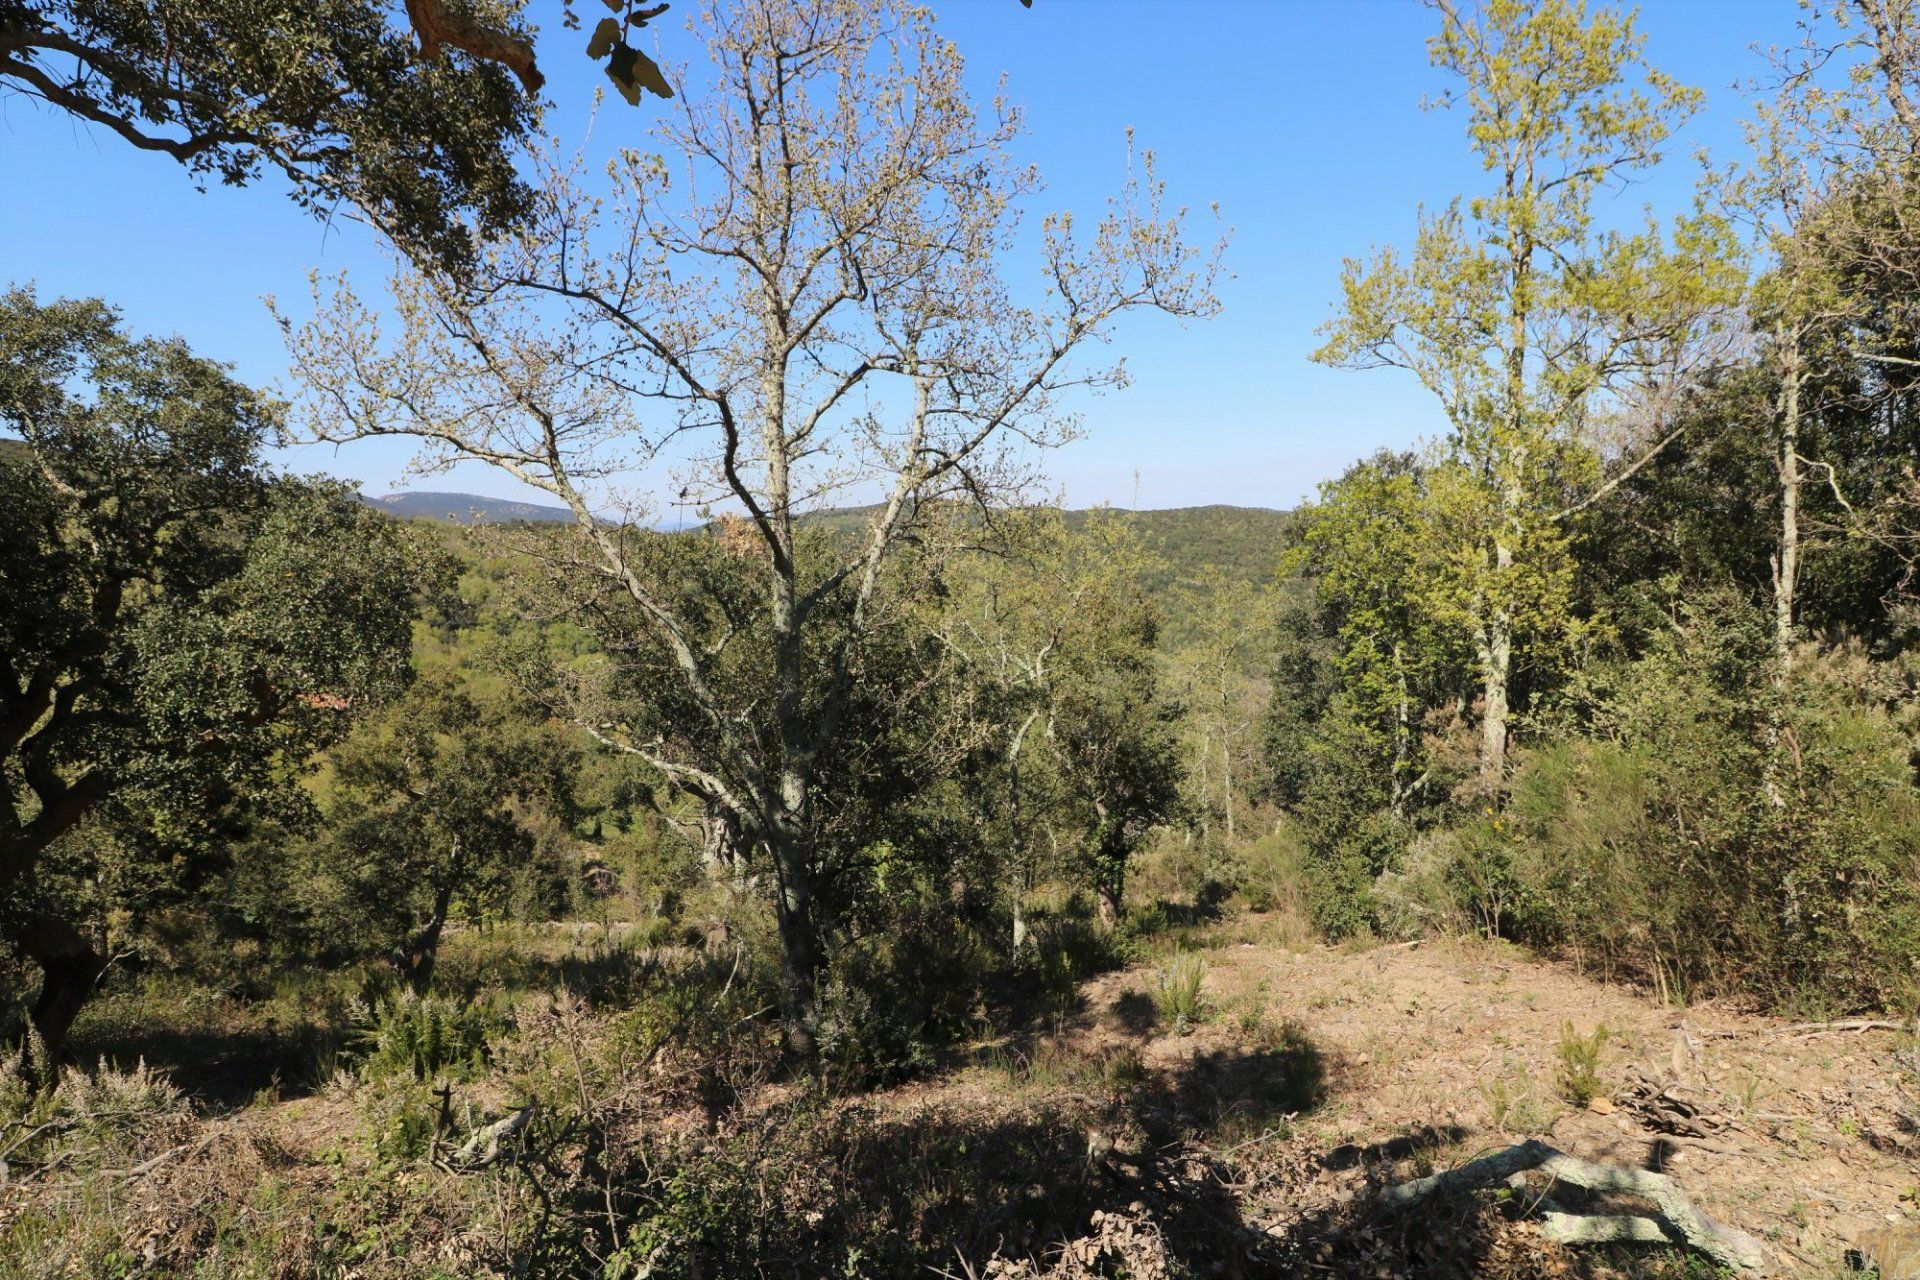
(1600, 1104)
(1895, 1250)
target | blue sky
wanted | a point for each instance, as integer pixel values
(1300, 117)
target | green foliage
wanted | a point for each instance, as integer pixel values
(179, 630)
(333, 95)
(1522, 319)
(891, 1002)
(1270, 872)
(425, 1036)
(1177, 991)
(1799, 877)
(399, 1116)
(1580, 1057)
(1514, 1101)
(1069, 946)
(435, 801)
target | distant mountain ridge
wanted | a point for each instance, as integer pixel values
(465, 508)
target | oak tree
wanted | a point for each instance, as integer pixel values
(179, 623)
(801, 297)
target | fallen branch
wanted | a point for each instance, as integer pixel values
(1808, 1030)
(483, 1148)
(146, 1167)
(1678, 1222)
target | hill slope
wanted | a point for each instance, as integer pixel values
(1197, 547)
(465, 508)
(1207, 548)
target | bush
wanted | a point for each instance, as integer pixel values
(890, 1003)
(426, 1036)
(1271, 872)
(1580, 1062)
(1707, 832)
(1176, 993)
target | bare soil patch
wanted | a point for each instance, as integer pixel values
(1805, 1136)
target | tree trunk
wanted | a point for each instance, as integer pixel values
(70, 967)
(1786, 561)
(787, 834)
(722, 849)
(1402, 722)
(799, 943)
(422, 952)
(1496, 665)
(1018, 835)
(1786, 572)
(1226, 760)
(1509, 461)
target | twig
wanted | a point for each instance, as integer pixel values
(1808, 1030)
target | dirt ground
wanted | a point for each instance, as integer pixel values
(1255, 1143)
(1806, 1137)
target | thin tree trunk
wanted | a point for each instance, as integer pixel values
(1509, 465)
(1226, 753)
(1786, 564)
(1786, 574)
(1019, 835)
(1402, 718)
(1496, 665)
(1110, 871)
(423, 948)
(1206, 789)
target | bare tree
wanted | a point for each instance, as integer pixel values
(799, 301)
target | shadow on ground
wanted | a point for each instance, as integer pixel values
(220, 1069)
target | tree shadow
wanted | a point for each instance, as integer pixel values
(221, 1069)
(1136, 1013)
(1390, 1151)
(1243, 1089)
(944, 1192)
(1443, 1237)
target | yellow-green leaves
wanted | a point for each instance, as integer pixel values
(1526, 322)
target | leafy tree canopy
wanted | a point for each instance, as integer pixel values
(176, 624)
(331, 93)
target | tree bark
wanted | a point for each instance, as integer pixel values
(1786, 573)
(70, 967)
(1402, 723)
(1786, 562)
(422, 952)
(1018, 835)
(1496, 666)
(799, 943)
(1226, 756)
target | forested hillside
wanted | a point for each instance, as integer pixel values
(1189, 553)
(1493, 866)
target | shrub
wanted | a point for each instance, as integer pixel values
(1176, 993)
(398, 1118)
(1513, 1102)
(1580, 1062)
(426, 1036)
(890, 1003)
(1271, 872)
(1706, 831)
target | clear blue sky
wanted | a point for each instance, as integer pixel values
(1300, 117)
